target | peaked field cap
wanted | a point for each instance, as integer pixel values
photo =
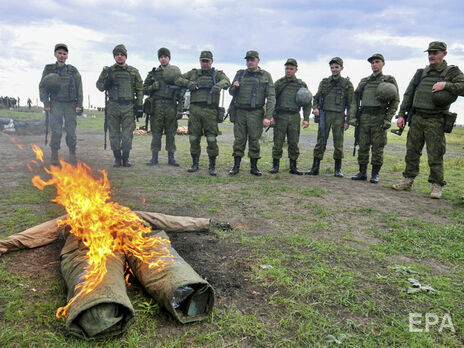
(291, 61)
(120, 49)
(61, 45)
(206, 55)
(336, 60)
(436, 46)
(376, 56)
(252, 54)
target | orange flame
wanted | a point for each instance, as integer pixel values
(38, 152)
(103, 226)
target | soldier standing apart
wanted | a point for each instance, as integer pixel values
(287, 117)
(438, 87)
(254, 97)
(29, 103)
(63, 103)
(378, 97)
(125, 95)
(205, 85)
(165, 106)
(334, 96)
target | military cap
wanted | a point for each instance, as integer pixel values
(61, 45)
(376, 56)
(436, 46)
(163, 51)
(252, 54)
(206, 55)
(291, 61)
(120, 49)
(336, 60)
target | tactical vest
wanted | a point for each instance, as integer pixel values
(287, 98)
(252, 92)
(67, 91)
(423, 96)
(369, 95)
(122, 89)
(164, 91)
(205, 83)
(335, 100)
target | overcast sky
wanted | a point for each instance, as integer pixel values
(310, 31)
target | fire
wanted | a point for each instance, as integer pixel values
(103, 226)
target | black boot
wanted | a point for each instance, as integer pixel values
(117, 158)
(315, 168)
(338, 168)
(154, 159)
(194, 167)
(212, 166)
(275, 166)
(236, 168)
(294, 169)
(254, 167)
(375, 174)
(171, 160)
(125, 159)
(72, 156)
(54, 158)
(362, 175)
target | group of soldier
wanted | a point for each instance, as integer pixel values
(258, 103)
(9, 102)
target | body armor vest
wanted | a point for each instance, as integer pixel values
(205, 83)
(423, 96)
(335, 100)
(369, 96)
(121, 91)
(252, 91)
(287, 98)
(67, 91)
(164, 91)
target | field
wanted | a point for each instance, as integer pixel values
(310, 261)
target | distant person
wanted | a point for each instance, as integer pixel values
(438, 87)
(125, 96)
(63, 103)
(254, 101)
(335, 97)
(29, 103)
(378, 97)
(205, 87)
(287, 117)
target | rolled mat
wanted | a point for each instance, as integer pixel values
(177, 287)
(106, 310)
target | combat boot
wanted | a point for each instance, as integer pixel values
(404, 185)
(338, 168)
(436, 191)
(294, 169)
(54, 158)
(212, 166)
(117, 158)
(254, 167)
(72, 156)
(275, 166)
(375, 174)
(154, 159)
(125, 159)
(362, 175)
(194, 167)
(171, 160)
(236, 168)
(315, 168)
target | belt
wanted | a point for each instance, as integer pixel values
(372, 109)
(122, 102)
(164, 101)
(204, 105)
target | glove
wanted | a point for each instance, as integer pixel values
(156, 85)
(191, 86)
(139, 113)
(386, 124)
(216, 89)
(107, 84)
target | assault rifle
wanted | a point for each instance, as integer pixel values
(105, 125)
(358, 121)
(321, 118)
(47, 121)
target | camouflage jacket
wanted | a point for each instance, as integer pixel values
(346, 96)
(288, 92)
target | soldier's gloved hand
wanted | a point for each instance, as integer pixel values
(156, 85)
(191, 86)
(107, 84)
(386, 124)
(139, 113)
(216, 89)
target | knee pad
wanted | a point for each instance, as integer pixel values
(193, 138)
(211, 138)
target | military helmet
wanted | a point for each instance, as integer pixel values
(386, 92)
(51, 82)
(443, 98)
(303, 97)
(170, 73)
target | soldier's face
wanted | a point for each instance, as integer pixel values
(164, 60)
(61, 55)
(206, 64)
(336, 69)
(377, 65)
(290, 71)
(436, 57)
(252, 63)
(120, 58)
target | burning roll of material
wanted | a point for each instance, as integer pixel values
(177, 287)
(106, 310)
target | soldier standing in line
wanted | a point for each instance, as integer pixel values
(334, 96)
(29, 103)
(254, 101)
(429, 101)
(65, 102)
(378, 97)
(125, 95)
(166, 104)
(205, 85)
(287, 117)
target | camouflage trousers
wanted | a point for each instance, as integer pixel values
(164, 119)
(428, 131)
(287, 125)
(203, 120)
(58, 112)
(248, 125)
(121, 125)
(335, 121)
(372, 137)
